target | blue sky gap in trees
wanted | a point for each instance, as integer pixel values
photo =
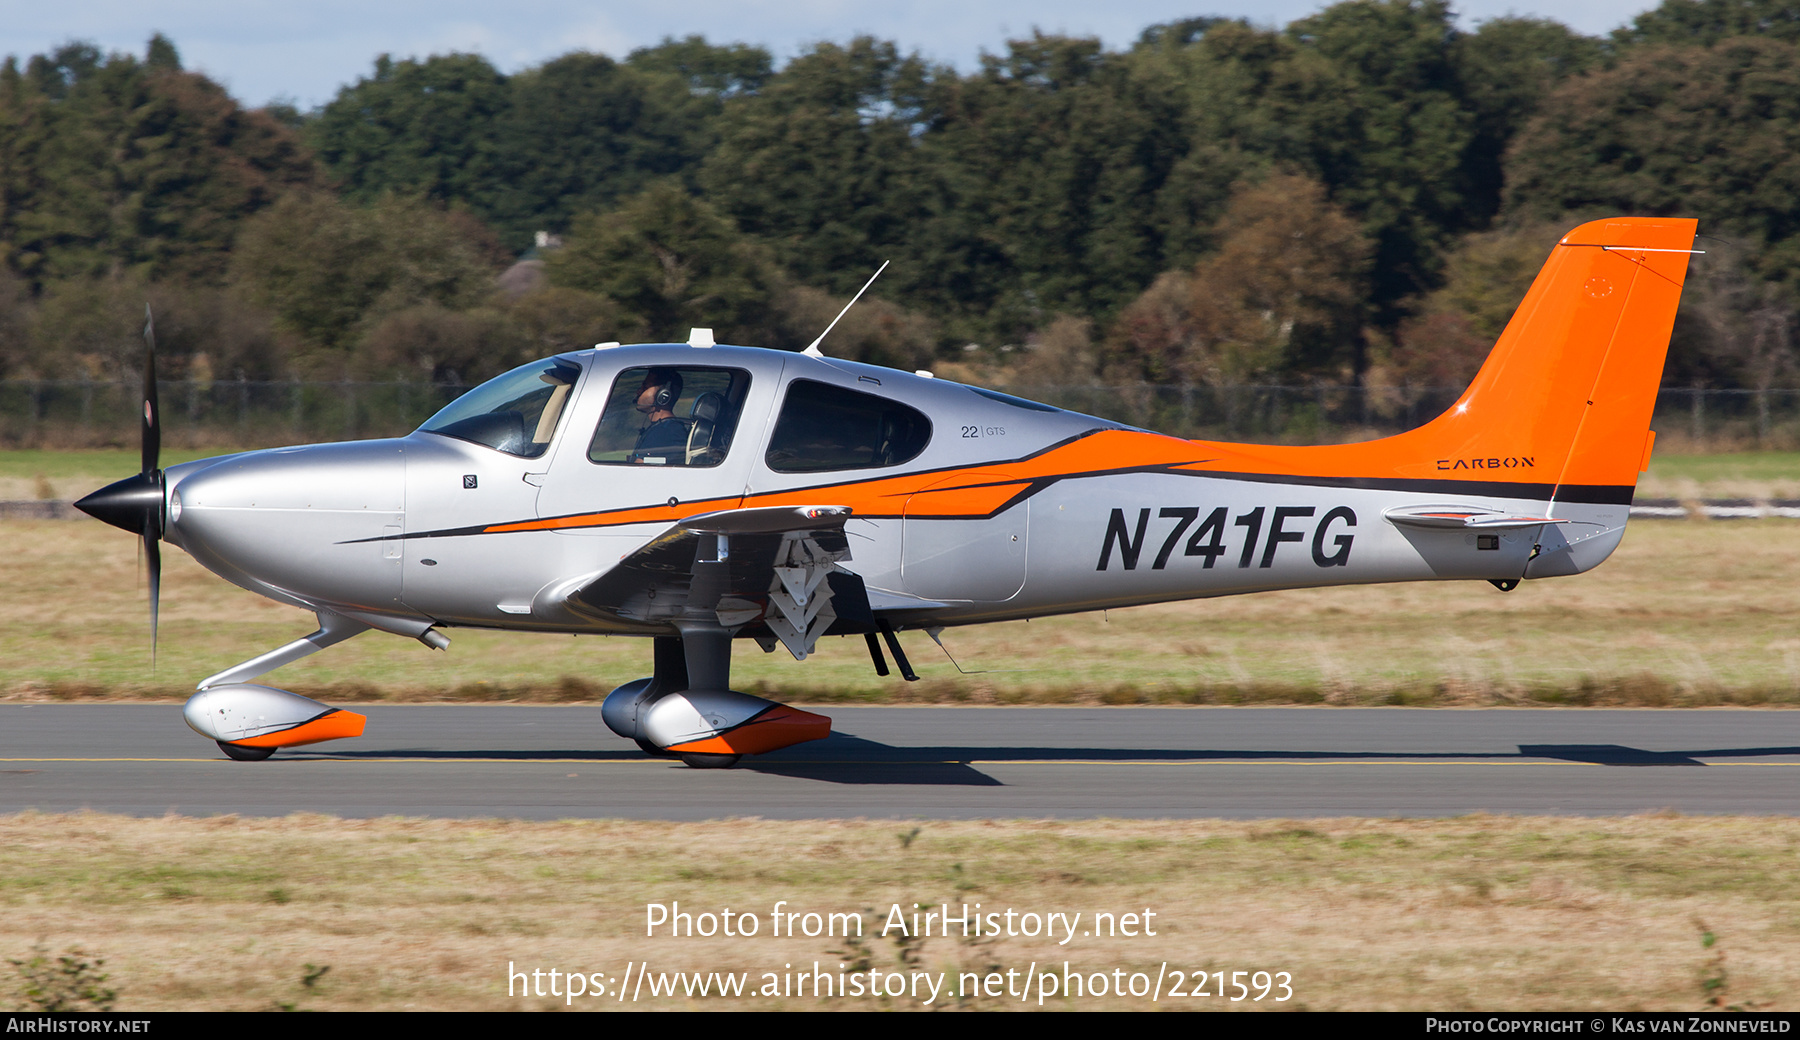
(263, 50)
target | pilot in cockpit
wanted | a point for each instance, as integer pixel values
(664, 437)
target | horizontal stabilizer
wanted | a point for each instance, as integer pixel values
(1461, 517)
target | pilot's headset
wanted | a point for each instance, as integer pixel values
(668, 389)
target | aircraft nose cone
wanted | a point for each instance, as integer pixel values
(132, 504)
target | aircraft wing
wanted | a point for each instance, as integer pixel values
(773, 568)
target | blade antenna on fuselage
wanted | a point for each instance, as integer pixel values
(812, 349)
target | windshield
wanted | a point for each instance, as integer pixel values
(515, 413)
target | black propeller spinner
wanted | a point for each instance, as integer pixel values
(136, 504)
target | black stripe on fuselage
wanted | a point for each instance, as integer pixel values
(1591, 494)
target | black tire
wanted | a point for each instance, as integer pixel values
(240, 753)
(653, 751)
(703, 760)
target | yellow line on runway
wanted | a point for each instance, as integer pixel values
(1279, 762)
(114, 760)
(920, 762)
(327, 758)
(1258, 762)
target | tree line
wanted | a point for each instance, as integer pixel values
(1359, 197)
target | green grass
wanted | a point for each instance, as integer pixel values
(1734, 466)
(112, 463)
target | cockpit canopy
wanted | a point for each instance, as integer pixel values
(664, 408)
(514, 412)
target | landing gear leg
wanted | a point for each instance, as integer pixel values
(706, 652)
(624, 708)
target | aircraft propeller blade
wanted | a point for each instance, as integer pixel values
(153, 556)
(135, 504)
(152, 431)
(152, 458)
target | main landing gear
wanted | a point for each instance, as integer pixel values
(686, 710)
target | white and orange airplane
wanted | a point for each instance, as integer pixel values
(699, 494)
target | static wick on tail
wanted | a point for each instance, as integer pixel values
(812, 349)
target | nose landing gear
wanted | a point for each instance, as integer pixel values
(240, 753)
(250, 722)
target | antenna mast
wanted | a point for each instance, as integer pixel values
(812, 349)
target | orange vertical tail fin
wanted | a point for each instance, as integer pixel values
(1562, 405)
(1573, 379)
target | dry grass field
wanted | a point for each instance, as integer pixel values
(1478, 913)
(1685, 613)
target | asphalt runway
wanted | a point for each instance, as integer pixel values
(949, 763)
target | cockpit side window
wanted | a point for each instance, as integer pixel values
(670, 415)
(826, 427)
(515, 412)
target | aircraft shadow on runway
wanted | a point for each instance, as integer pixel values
(844, 758)
(840, 758)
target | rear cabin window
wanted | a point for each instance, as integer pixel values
(825, 427)
(670, 415)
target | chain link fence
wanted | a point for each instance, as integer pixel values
(74, 413)
(1691, 419)
(82, 413)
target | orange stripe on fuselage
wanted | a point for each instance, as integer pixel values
(665, 514)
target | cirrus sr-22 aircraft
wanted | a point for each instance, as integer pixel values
(697, 494)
